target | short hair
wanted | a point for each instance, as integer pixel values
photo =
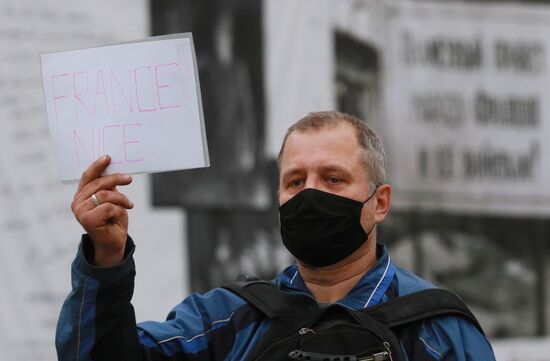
(373, 152)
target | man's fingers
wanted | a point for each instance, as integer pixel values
(108, 182)
(113, 197)
(95, 170)
(102, 214)
(110, 212)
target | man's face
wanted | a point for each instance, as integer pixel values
(328, 159)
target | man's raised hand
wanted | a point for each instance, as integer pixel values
(106, 223)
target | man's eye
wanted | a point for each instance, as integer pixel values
(334, 180)
(296, 183)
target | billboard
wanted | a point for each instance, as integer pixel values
(466, 121)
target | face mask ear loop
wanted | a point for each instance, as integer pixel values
(372, 194)
(368, 199)
(371, 228)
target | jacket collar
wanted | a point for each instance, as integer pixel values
(367, 292)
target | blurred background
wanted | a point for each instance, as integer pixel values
(457, 90)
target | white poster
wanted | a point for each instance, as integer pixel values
(138, 102)
(38, 234)
(467, 111)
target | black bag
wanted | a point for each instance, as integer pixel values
(304, 331)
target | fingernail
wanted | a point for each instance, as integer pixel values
(104, 158)
(127, 178)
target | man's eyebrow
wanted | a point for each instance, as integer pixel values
(292, 171)
(324, 169)
(336, 168)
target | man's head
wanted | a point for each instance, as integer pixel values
(339, 154)
(373, 154)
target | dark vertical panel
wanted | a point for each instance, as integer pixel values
(231, 206)
(540, 260)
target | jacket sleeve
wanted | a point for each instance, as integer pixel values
(97, 321)
(447, 339)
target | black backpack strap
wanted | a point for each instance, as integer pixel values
(421, 305)
(401, 311)
(290, 312)
(269, 300)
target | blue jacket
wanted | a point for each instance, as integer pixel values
(97, 320)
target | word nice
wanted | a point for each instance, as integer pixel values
(120, 141)
(87, 94)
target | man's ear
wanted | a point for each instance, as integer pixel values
(383, 200)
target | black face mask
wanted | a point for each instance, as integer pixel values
(321, 228)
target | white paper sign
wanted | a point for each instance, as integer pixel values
(138, 102)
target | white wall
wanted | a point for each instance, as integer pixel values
(38, 234)
(522, 349)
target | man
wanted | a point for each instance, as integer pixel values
(332, 195)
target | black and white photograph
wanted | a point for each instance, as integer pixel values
(275, 180)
